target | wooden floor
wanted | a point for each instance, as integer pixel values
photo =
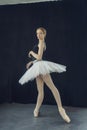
(20, 117)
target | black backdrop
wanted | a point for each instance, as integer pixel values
(65, 22)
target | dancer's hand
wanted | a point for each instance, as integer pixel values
(28, 65)
(30, 53)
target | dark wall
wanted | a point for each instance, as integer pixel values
(65, 22)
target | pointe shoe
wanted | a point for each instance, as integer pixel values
(36, 113)
(64, 115)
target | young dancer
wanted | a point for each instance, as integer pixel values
(41, 70)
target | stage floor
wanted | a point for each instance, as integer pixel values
(20, 117)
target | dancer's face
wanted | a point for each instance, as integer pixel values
(40, 34)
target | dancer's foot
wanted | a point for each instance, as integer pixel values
(64, 115)
(36, 113)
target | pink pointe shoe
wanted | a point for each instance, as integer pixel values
(36, 113)
(64, 115)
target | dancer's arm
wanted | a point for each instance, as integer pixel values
(29, 64)
(40, 52)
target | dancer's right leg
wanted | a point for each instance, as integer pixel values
(48, 80)
(40, 89)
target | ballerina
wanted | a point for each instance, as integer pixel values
(41, 69)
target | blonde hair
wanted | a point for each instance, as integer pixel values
(44, 32)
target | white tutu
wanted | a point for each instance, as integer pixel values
(41, 68)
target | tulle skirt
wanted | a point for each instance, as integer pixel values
(41, 68)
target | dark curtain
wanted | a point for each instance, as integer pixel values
(66, 23)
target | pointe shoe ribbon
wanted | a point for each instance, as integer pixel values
(36, 113)
(64, 115)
